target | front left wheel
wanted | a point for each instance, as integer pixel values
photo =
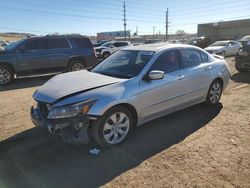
(113, 128)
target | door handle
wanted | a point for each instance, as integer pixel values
(208, 68)
(180, 77)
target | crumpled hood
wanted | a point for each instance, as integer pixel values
(214, 48)
(67, 84)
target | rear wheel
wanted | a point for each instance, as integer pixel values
(113, 127)
(76, 65)
(6, 75)
(214, 93)
(239, 69)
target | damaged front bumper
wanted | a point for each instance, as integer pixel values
(72, 130)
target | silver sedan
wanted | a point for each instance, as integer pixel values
(131, 87)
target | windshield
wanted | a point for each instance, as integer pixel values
(107, 44)
(14, 45)
(220, 43)
(124, 64)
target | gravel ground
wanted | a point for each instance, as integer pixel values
(195, 147)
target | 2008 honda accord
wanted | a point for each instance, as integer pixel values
(131, 87)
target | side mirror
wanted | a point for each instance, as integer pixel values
(155, 75)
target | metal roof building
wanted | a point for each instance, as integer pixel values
(233, 30)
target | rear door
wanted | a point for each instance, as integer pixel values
(32, 57)
(59, 52)
(197, 71)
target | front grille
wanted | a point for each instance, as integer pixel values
(44, 109)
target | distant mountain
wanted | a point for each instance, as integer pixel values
(16, 34)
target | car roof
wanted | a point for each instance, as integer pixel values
(58, 36)
(159, 47)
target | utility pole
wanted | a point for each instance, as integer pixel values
(154, 30)
(137, 30)
(124, 20)
(167, 25)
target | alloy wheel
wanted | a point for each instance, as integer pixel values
(77, 67)
(215, 92)
(116, 128)
(5, 76)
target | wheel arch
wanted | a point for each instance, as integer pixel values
(9, 66)
(219, 79)
(130, 107)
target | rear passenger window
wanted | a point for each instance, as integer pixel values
(167, 62)
(57, 43)
(82, 42)
(190, 57)
(204, 57)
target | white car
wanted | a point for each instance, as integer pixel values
(109, 48)
(3, 43)
(224, 48)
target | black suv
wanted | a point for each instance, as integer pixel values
(243, 57)
(43, 55)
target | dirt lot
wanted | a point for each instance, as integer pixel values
(195, 147)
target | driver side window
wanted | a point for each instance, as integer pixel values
(167, 62)
(34, 44)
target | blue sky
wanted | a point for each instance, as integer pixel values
(91, 16)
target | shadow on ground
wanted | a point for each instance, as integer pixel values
(241, 77)
(35, 159)
(22, 83)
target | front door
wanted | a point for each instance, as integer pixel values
(159, 96)
(32, 57)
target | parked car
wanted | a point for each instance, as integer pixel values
(201, 42)
(99, 43)
(109, 48)
(49, 54)
(224, 48)
(131, 87)
(3, 43)
(242, 58)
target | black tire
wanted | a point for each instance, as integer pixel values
(105, 55)
(214, 95)
(239, 69)
(97, 128)
(76, 65)
(6, 75)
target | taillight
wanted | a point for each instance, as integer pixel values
(94, 52)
